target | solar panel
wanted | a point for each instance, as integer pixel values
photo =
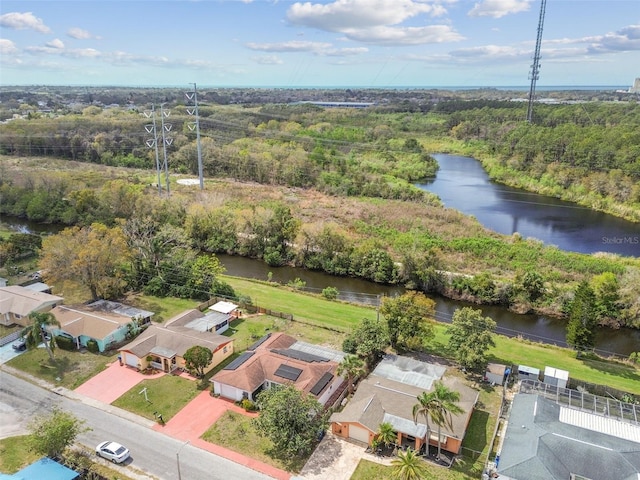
(299, 355)
(323, 382)
(259, 342)
(239, 361)
(290, 373)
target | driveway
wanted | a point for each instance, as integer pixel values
(112, 383)
(335, 459)
(190, 423)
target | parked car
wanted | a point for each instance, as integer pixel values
(19, 345)
(112, 451)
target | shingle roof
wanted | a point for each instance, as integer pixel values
(174, 340)
(76, 321)
(266, 361)
(540, 445)
(22, 301)
(393, 391)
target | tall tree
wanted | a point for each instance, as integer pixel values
(197, 358)
(583, 319)
(92, 256)
(291, 419)
(408, 319)
(471, 335)
(409, 466)
(53, 434)
(353, 367)
(36, 332)
(442, 406)
(368, 340)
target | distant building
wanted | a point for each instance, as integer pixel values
(636, 86)
(338, 104)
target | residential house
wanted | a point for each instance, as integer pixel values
(163, 346)
(105, 322)
(16, 303)
(388, 395)
(279, 359)
(548, 440)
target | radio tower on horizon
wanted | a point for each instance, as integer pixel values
(535, 66)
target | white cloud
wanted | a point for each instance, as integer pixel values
(374, 21)
(23, 21)
(55, 43)
(79, 33)
(499, 8)
(7, 47)
(406, 35)
(292, 46)
(268, 60)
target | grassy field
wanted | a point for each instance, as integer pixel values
(317, 311)
(16, 455)
(236, 432)
(166, 395)
(71, 369)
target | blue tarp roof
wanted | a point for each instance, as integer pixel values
(45, 468)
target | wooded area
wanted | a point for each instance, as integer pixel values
(332, 189)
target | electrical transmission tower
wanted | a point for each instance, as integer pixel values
(193, 97)
(153, 142)
(535, 66)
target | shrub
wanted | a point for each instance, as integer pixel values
(65, 343)
(330, 293)
(92, 346)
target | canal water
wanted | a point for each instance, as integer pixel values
(463, 184)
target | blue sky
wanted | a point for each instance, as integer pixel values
(331, 43)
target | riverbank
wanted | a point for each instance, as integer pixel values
(334, 317)
(499, 171)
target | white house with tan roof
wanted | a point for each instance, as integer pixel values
(16, 303)
(279, 359)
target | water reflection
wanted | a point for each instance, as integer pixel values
(463, 184)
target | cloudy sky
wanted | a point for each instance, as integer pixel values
(330, 43)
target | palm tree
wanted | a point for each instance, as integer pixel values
(441, 405)
(409, 466)
(386, 434)
(36, 332)
(426, 404)
(352, 367)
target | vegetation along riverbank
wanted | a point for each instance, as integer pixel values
(332, 190)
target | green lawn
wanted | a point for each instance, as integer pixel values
(166, 395)
(163, 308)
(15, 455)
(236, 432)
(70, 369)
(313, 309)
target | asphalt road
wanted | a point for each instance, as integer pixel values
(153, 454)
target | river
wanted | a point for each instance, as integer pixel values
(534, 327)
(463, 184)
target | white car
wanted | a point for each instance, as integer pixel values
(112, 451)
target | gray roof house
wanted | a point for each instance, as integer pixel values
(388, 395)
(548, 441)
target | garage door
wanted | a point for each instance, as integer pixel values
(131, 360)
(228, 391)
(359, 433)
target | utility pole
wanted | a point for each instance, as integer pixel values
(153, 143)
(193, 96)
(166, 128)
(535, 66)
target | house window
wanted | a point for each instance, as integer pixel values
(434, 437)
(17, 315)
(224, 350)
